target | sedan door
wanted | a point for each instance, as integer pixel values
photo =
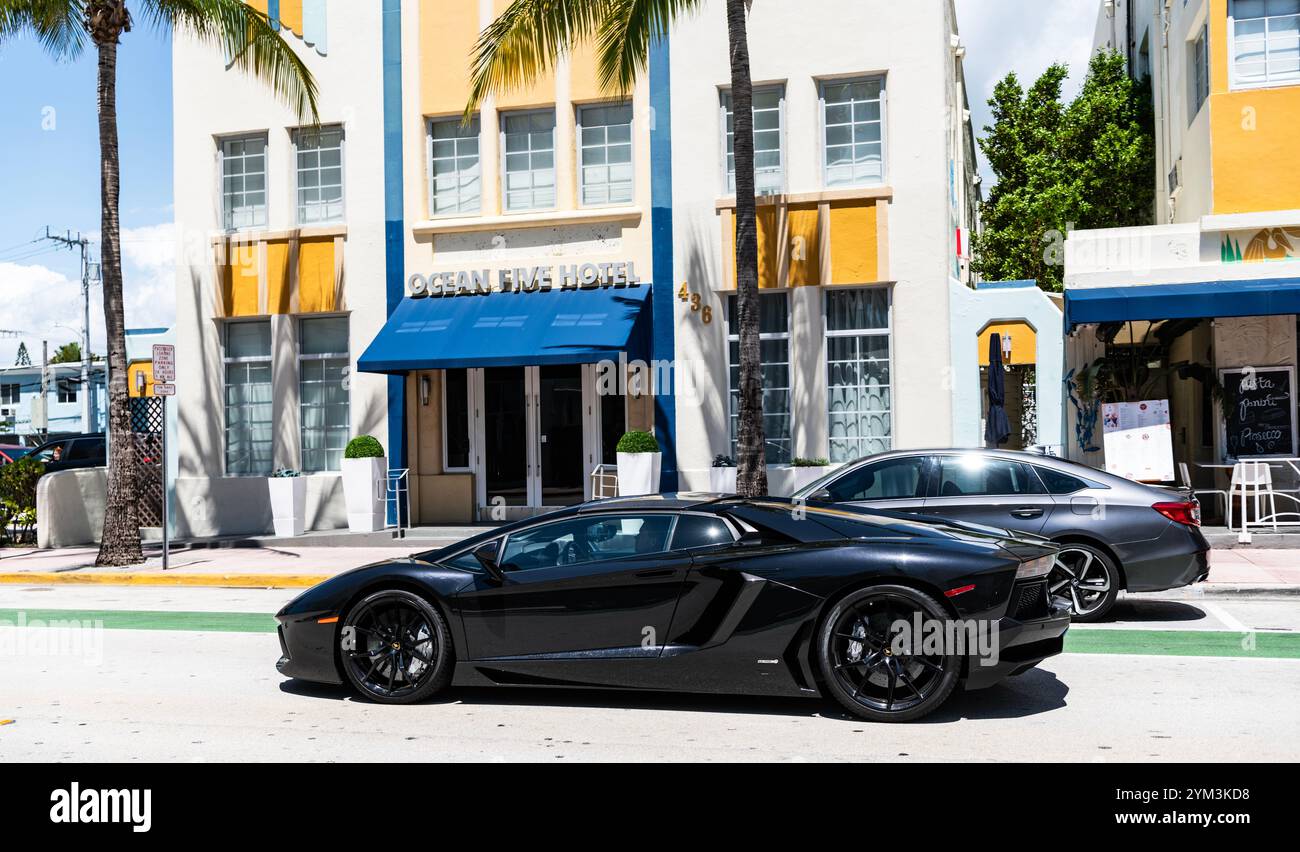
(896, 482)
(597, 582)
(982, 489)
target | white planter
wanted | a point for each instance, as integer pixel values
(638, 473)
(722, 480)
(288, 504)
(363, 491)
(801, 476)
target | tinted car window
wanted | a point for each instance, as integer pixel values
(86, 449)
(974, 475)
(467, 561)
(46, 453)
(891, 479)
(586, 539)
(1060, 483)
(699, 531)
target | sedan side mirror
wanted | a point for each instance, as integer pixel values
(821, 495)
(487, 557)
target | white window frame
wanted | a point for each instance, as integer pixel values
(1200, 73)
(729, 174)
(16, 398)
(470, 403)
(294, 136)
(578, 149)
(1234, 81)
(346, 357)
(477, 125)
(503, 154)
(884, 128)
(733, 335)
(227, 360)
(66, 391)
(226, 214)
(887, 332)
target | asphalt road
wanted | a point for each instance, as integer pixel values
(187, 674)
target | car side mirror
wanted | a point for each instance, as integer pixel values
(821, 495)
(487, 557)
(750, 537)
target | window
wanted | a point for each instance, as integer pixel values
(529, 145)
(10, 394)
(454, 183)
(466, 560)
(768, 109)
(248, 398)
(455, 407)
(320, 175)
(605, 147)
(774, 357)
(698, 531)
(586, 539)
(889, 479)
(1200, 76)
(88, 449)
(50, 452)
(858, 373)
(973, 475)
(243, 182)
(67, 390)
(853, 124)
(1060, 483)
(323, 392)
(1265, 37)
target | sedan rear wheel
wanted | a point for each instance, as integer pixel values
(395, 648)
(1087, 578)
(873, 667)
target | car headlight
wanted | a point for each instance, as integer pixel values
(1035, 567)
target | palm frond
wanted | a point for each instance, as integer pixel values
(526, 40)
(246, 36)
(59, 25)
(626, 30)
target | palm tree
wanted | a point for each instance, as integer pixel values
(63, 27)
(529, 37)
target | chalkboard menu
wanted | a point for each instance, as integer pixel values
(1259, 411)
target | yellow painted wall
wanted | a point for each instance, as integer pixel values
(804, 222)
(768, 242)
(1254, 135)
(540, 93)
(279, 288)
(1024, 342)
(240, 281)
(448, 30)
(291, 15)
(584, 76)
(316, 275)
(854, 255)
(132, 370)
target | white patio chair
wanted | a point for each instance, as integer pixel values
(1187, 483)
(1252, 479)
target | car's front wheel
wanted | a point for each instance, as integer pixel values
(395, 648)
(873, 667)
(1087, 578)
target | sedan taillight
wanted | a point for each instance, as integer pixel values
(1182, 513)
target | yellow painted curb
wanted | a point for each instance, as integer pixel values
(159, 578)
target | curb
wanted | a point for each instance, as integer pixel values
(1222, 590)
(142, 578)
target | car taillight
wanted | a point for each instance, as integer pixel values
(1182, 513)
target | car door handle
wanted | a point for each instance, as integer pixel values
(655, 573)
(1027, 512)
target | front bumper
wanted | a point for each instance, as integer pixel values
(1021, 645)
(307, 648)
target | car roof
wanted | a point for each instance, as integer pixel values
(673, 501)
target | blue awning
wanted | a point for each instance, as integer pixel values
(1202, 300)
(512, 329)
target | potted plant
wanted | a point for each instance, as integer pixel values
(638, 464)
(365, 469)
(804, 471)
(722, 476)
(288, 501)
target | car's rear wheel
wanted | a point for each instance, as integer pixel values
(1087, 578)
(873, 667)
(395, 648)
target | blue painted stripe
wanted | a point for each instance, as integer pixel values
(394, 225)
(661, 234)
(273, 12)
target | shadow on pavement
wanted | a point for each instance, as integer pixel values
(1133, 610)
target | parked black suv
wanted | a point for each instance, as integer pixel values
(75, 451)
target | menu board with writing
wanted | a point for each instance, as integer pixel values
(1259, 411)
(1137, 440)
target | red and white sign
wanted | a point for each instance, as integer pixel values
(164, 364)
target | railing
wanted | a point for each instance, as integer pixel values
(1252, 481)
(397, 491)
(604, 481)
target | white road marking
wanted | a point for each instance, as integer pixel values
(1227, 619)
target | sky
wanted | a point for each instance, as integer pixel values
(49, 158)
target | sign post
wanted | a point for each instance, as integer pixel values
(164, 373)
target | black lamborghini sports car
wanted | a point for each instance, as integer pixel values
(695, 593)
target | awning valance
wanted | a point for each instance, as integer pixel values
(1201, 300)
(512, 329)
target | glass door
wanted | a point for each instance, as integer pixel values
(505, 464)
(560, 434)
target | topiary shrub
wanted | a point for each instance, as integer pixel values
(364, 447)
(637, 442)
(801, 462)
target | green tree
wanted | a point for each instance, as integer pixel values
(68, 353)
(64, 27)
(529, 37)
(1086, 164)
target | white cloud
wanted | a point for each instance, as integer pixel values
(1024, 36)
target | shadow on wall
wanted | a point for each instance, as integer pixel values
(70, 507)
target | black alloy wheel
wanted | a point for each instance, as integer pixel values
(1087, 578)
(395, 649)
(873, 667)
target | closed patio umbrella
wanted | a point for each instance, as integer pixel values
(996, 427)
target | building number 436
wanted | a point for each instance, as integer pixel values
(697, 303)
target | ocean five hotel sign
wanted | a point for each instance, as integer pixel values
(524, 279)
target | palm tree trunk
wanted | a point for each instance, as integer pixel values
(751, 475)
(120, 543)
